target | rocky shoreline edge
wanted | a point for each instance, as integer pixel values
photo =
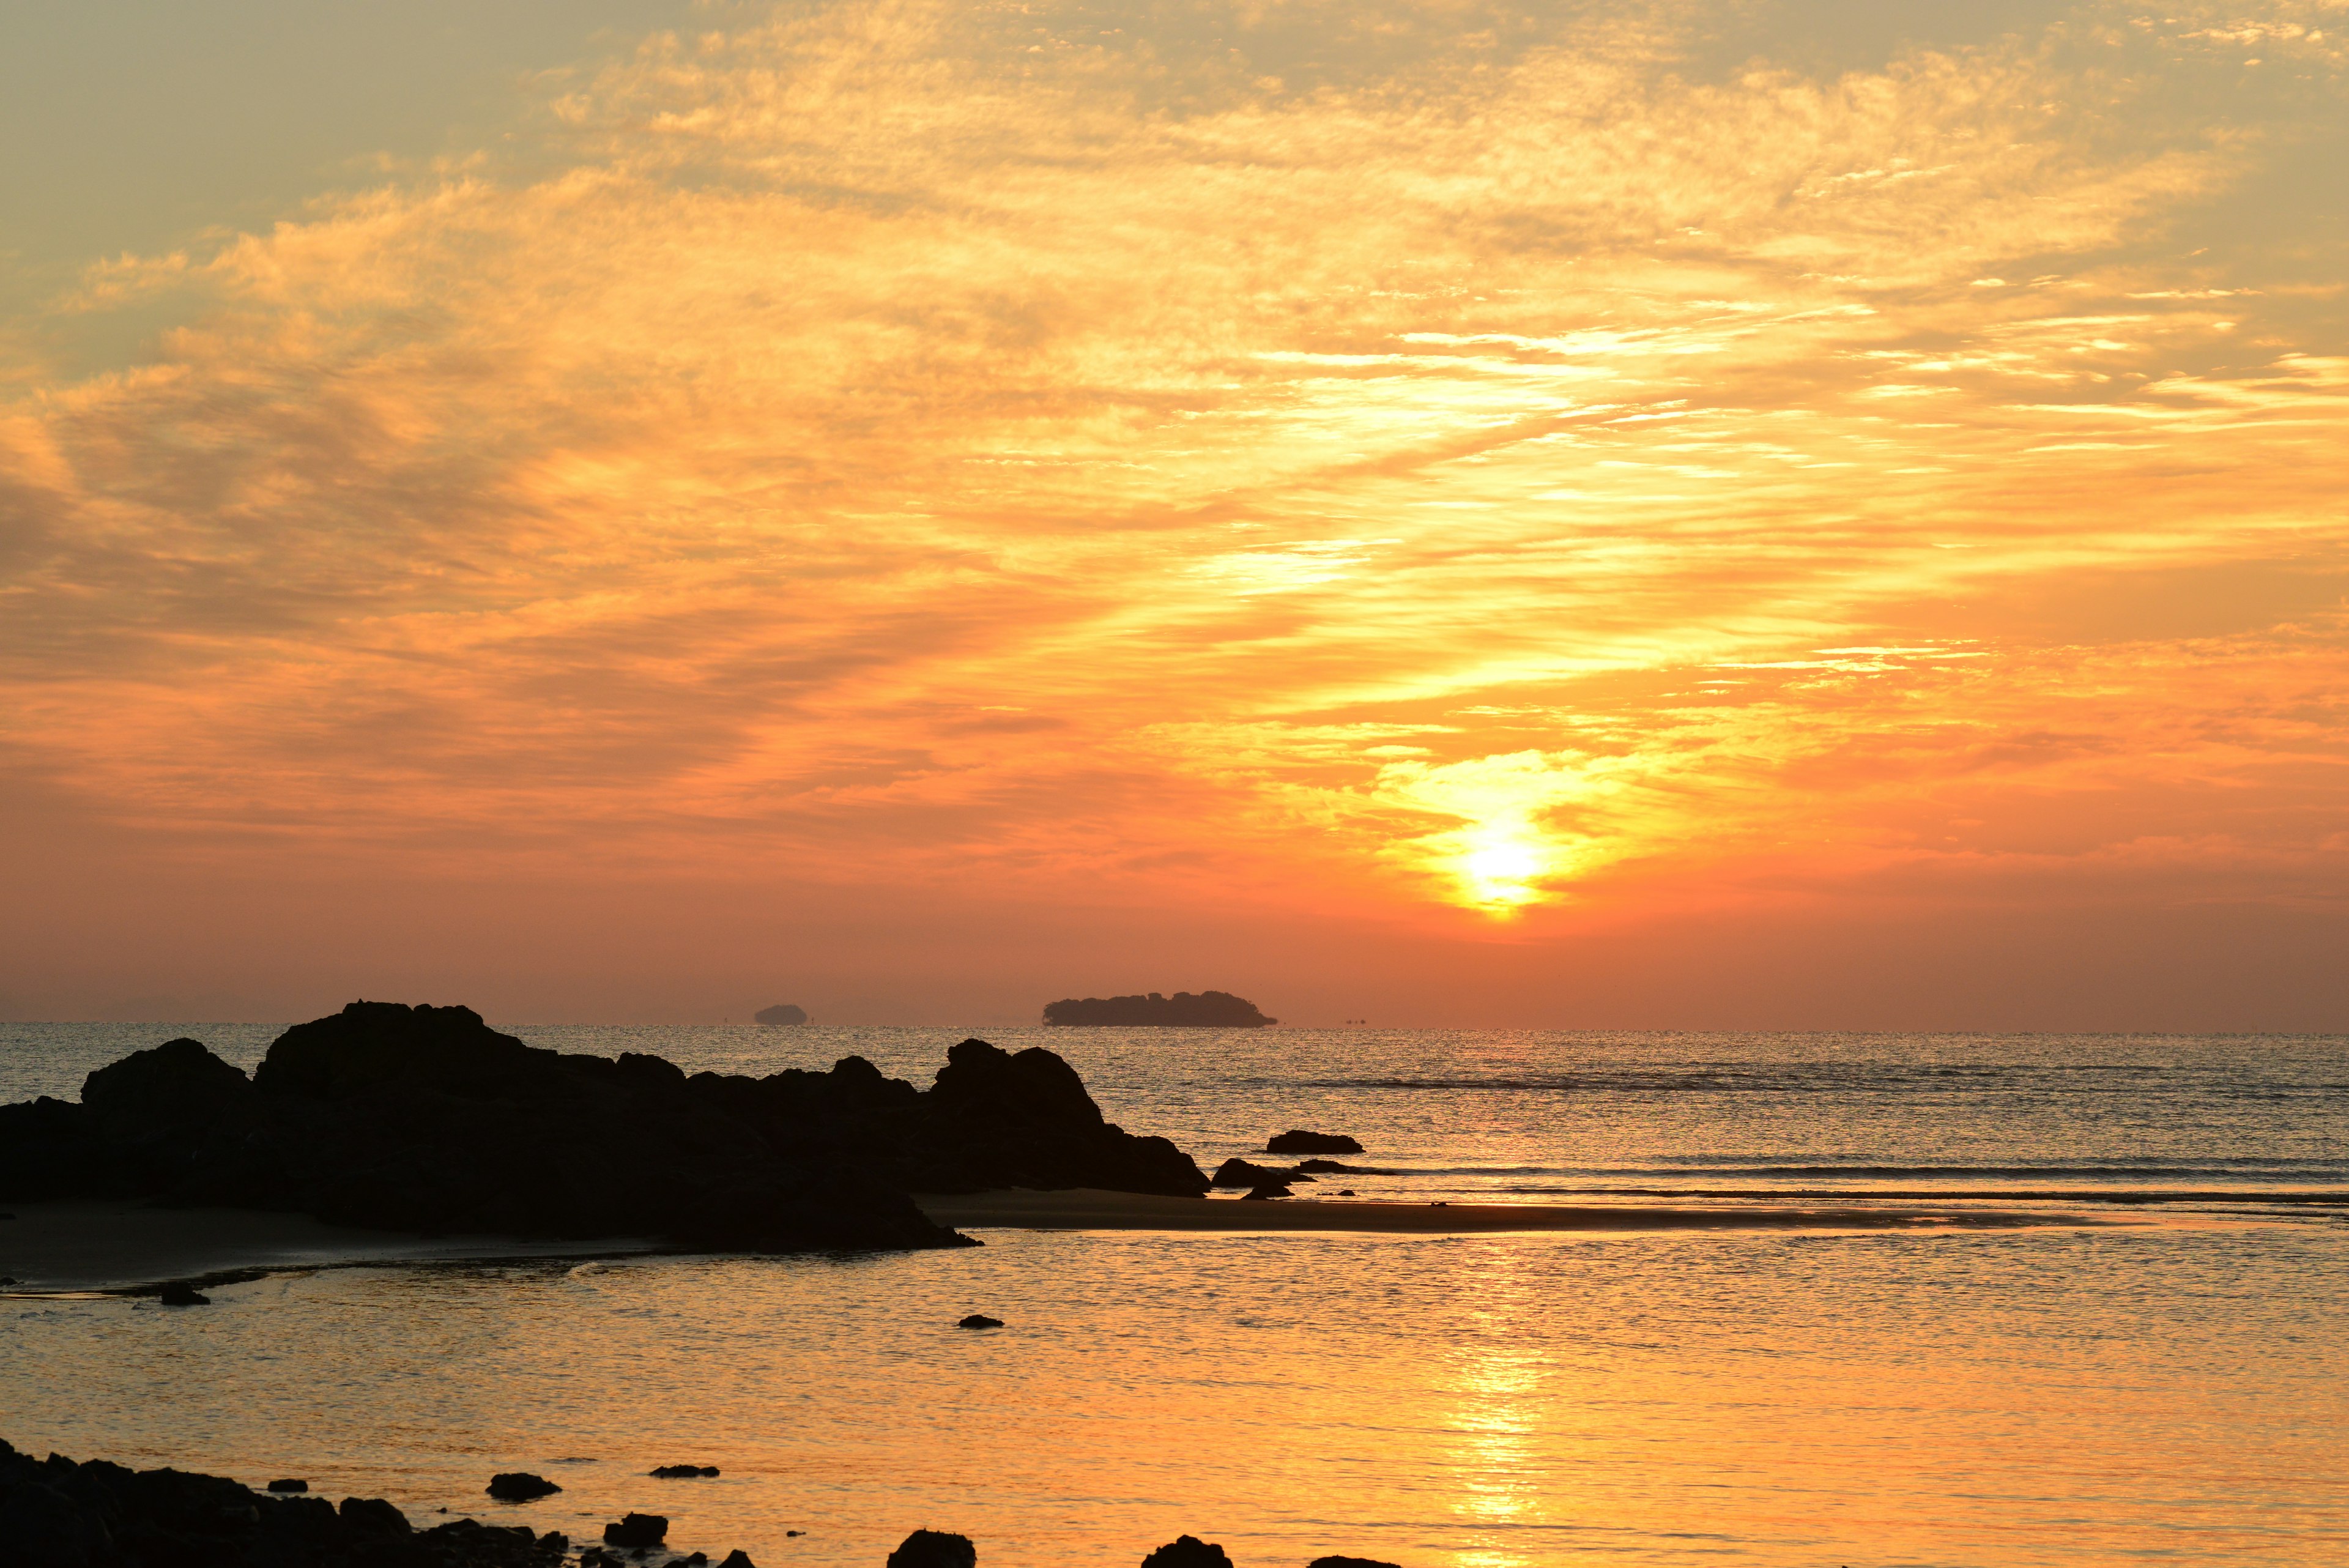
(424, 1120)
(61, 1513)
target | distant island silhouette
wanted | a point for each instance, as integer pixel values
(1207, 1010)
(781, 1013)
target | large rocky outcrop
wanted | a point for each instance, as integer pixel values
(425, 1118)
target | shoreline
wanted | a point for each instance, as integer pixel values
(1090, 1209)
(84, 1247)
(126, 1247)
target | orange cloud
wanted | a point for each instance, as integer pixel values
(1536, 472)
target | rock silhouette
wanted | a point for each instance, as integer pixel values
(683, 1472)
(61, 1514)
(519, 1486)
(287, 1486)
(1247, 1173)
(980, 1320)
(177, 1295)
(1298, 1141)
(1207, 1010)
(781, 1013)
(934, 1549)
(426, 1119)
(635, 1529)
(1348, 1563)
(1187, 1552)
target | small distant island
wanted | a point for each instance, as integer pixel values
(1207, 1010)
(781, 1013)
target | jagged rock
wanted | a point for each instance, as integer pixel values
(519, 1486)
(1187, 1552)
(1297, 1141)
(934, 1549)
(1348, 1563)
(683, 1472)
(980, 1320)
(1208, 1010)
(633, 1529)
(426, 1119)
(738, 1558)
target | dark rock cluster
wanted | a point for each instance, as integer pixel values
(54, 1513)
(1207, 1010)
(425, 1118)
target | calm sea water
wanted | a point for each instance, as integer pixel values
(2175, 1387)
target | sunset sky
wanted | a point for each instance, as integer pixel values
(1800, 513)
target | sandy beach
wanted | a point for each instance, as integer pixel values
(62, 1248)
(1086, 1208)
(74, 1247)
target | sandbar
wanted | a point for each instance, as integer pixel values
(75, 1247)
(1088, 1209)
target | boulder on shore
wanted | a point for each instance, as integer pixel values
(1298, 1141)
(61, 1514)
(426, 1119)
(635, 1529)
(1187, 1552)
(934, 1549)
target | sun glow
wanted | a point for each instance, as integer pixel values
(1062, 458)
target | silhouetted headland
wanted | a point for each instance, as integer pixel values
(781, 1013)
(1207, 1010)
(426, 1119)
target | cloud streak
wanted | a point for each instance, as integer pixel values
(1411, 456)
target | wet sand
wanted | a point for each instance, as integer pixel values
(80, 1247)
(54, 1248)
(1086, 1208)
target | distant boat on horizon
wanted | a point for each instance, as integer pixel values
(1207, 1010)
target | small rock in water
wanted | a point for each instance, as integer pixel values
(1187, 1552)
(683, 1472)
(1345, 1192)
(1297, 1141)
(287, 1486)
(1266, 1190)
(520, 1485)
(934, 1549)
(182, 1295)
(1348, 1563)
(637, 1529)
(978, 1320)
(738, 1558)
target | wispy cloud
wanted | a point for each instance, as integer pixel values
(1416, 453)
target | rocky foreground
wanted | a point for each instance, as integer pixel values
(426, 1119)
(57, 1514)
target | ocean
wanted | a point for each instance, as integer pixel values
(2161, 1378)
